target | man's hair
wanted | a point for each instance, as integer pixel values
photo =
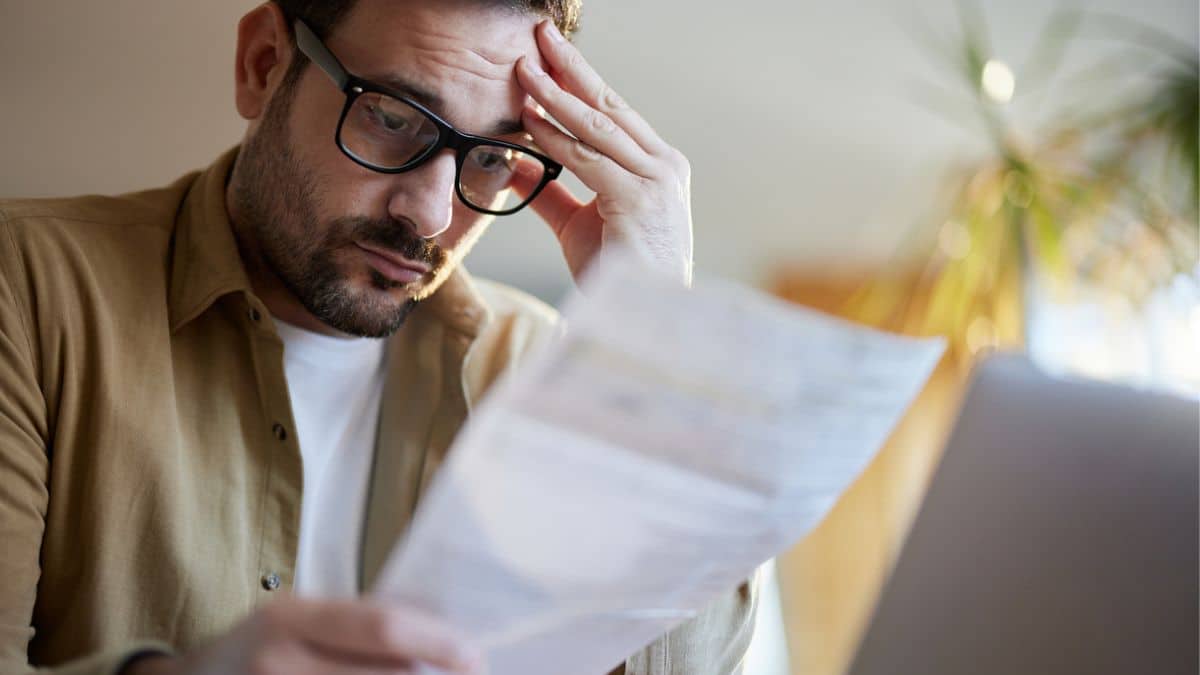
(324, 15)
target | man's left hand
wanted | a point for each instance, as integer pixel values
(642, 184)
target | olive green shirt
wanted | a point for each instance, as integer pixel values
(150, 477)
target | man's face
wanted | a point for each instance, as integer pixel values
(320, 220)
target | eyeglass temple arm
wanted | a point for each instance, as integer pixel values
(312, 47)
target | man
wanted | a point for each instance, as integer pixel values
(181, 365)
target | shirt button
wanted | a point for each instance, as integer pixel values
(255, 315)
(279, 431)
(270, 581)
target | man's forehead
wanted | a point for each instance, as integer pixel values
(440, 53)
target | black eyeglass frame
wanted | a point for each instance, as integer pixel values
(448, 137)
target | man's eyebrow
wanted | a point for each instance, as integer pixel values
(438, 105)
(419, 94)
(506, 128)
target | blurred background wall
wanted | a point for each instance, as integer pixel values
(820, 133)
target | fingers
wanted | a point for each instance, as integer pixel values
(580, 79)
(297, 659)
(373, 633)
(599, 172)
(585, 121)
(641, 183)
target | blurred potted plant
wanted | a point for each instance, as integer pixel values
(1103, 194)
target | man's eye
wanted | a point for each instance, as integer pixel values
(389, 122)
(492, 161)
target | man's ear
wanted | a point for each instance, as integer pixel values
(264, 52)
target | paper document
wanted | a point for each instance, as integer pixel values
(671, 442)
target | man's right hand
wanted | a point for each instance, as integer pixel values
(344, 637)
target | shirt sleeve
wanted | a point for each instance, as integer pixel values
(24, 476)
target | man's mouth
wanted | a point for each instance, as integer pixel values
(393, 265)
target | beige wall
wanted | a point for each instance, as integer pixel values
(115, 95)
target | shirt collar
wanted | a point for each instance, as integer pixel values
(206, 264)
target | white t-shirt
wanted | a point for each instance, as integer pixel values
(336, 387)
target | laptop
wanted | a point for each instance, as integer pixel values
(1059, 535)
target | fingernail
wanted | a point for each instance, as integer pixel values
(553, 31)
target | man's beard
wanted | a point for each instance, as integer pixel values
(278, 199)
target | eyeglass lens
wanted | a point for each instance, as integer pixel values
(388, 133)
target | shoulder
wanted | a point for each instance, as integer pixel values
(512, 305)
(152, 208)
(519, 325)
(68, 260)
(90, 226)
(518, 321)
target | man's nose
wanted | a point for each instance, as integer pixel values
(426, 195)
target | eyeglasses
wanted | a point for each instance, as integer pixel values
(385, 131)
